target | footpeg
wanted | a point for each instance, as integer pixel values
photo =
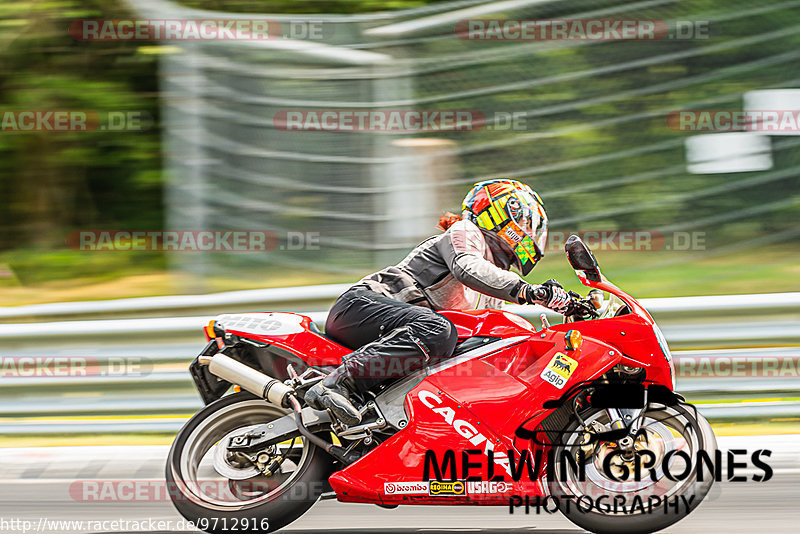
(321, 397)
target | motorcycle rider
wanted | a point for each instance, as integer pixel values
(389, 318)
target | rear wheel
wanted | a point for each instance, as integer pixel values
(222, 492)
(632, 506)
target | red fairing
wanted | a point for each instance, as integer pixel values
(480, 403)
(393, 473)
(633, 335)
(293, 333)
(488, 323)
(472, 406)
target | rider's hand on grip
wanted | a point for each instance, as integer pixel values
(550, 295)
(580, 309)
(535, 294)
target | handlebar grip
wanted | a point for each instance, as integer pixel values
(539, 293)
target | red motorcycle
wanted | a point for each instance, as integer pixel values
(579, 417)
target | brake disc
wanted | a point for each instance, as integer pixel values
(621, 463)
(234, 466)
(655, 438)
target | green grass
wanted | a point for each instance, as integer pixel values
(50, 276)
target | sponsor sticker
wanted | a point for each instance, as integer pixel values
(405, 488)
(267, 324)
(485, 486)
(513, 233)
(447, 488)
(558, 371)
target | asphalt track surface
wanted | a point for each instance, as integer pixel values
(35, 487)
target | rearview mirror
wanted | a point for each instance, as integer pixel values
(581, 258)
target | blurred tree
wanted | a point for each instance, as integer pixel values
(52, 182)
(306, 6)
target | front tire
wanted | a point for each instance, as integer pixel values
(248, 501)
(683, 428)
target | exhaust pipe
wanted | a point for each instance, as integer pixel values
(249, 379)
(272, 390)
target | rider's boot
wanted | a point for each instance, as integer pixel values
(333, 393)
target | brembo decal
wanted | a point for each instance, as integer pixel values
(406, 488)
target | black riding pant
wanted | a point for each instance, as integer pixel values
(391, 339)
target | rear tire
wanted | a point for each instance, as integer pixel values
(224, 512)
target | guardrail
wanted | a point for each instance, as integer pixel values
(695, 322)
(170, 424)
(160, 399)
(261, 298)
(706, 333)
(304, 296)
(730, 369)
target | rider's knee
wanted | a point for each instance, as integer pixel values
(443, 340)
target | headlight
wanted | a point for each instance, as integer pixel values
(662, 342)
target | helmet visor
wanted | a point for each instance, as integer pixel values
(522, 214)
(533, 221)
(528, 231)
(540, 234)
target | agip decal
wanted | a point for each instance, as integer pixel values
(558, 370)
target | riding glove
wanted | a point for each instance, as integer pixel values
(553, 297)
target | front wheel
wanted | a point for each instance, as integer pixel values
(609, 499)
(220, 492)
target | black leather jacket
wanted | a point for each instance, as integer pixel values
(463, 268)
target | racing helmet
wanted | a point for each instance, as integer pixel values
(514, 213)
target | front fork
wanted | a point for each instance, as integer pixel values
(628, 420)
